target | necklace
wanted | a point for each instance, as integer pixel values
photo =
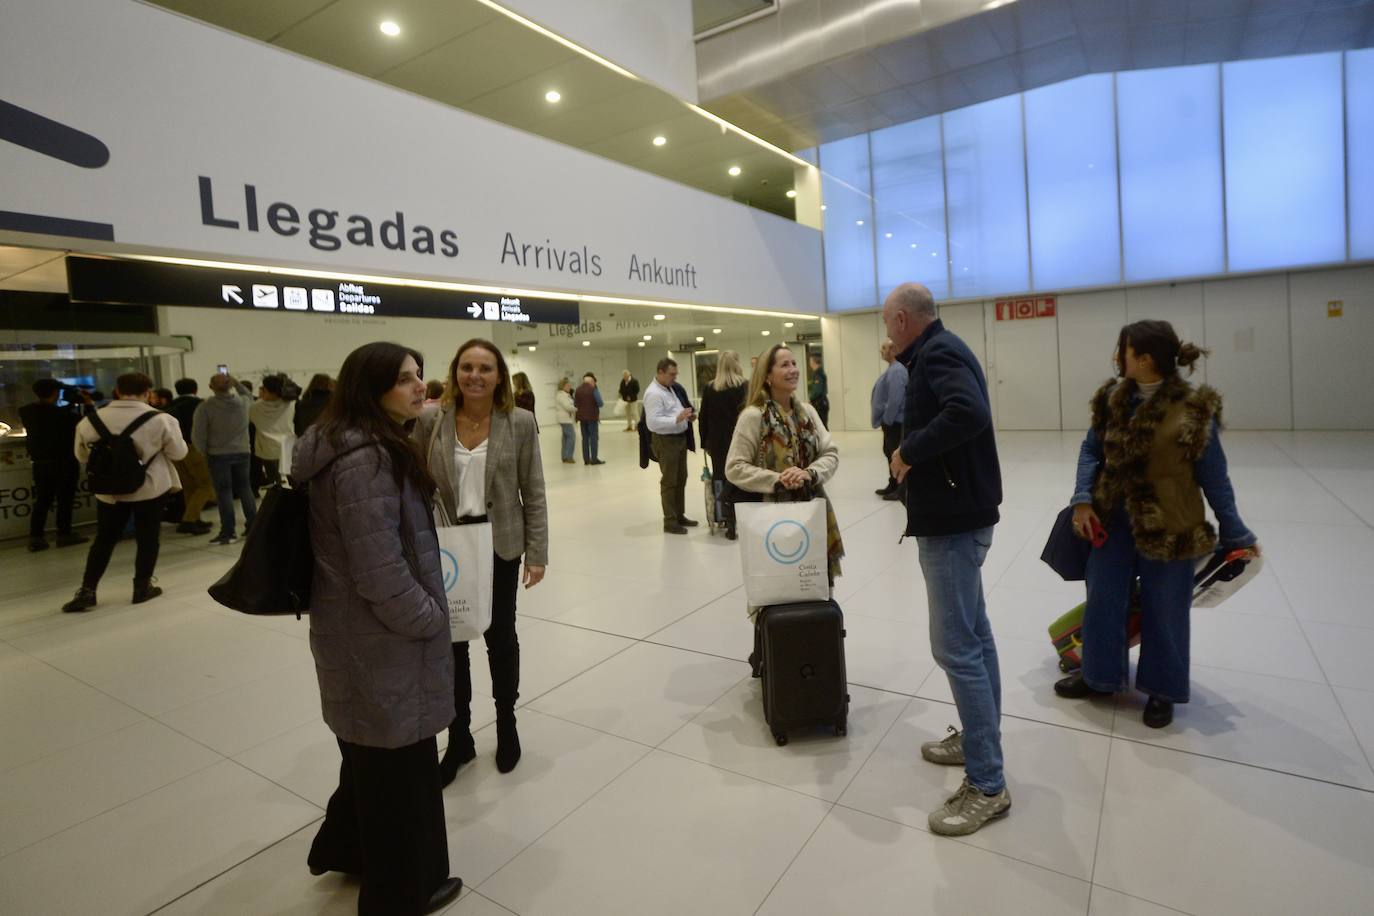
(474, 423)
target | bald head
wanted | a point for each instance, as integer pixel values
(907, 312)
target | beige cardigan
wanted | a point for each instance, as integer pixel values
(158, 443)
(514, 479)
(741, 468)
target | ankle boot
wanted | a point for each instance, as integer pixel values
(507, 739)
(145, 590)
(461, 749)
(84, 601)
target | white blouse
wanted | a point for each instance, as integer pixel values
(472, 479)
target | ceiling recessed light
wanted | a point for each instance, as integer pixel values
(648, 337)
(858, 222)
(932, 254)
(641, 343)
(659, 317)
(887, 235)
(660, 140)
(553, 95)
(734, 171)
(765, 333)
(390, 29)
(788, 324)
(715, 330)
(822, 206)
(586, 343)
(791, 193)
(701, 340)
(532, 349)
(913, 244)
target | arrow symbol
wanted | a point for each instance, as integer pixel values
(475, 310)
(229, 293)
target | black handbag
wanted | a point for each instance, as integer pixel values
(273, 573)
(1066, 552)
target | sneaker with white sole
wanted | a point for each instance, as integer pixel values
(967, 810)
(948, 751)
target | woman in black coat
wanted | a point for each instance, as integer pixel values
(721, 403)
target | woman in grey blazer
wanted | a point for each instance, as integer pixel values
(379, 632)
(483, 452)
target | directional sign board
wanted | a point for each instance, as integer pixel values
(156, 283)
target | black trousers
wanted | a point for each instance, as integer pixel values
(110, 520)
(892, 440)
(53, 482)
(385, 823)
(503, 648)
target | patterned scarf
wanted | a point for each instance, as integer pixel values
(789, 440)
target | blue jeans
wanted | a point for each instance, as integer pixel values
(591, 432)
(1166, 599)
(569, 440)
(961, 641)
(230, 475)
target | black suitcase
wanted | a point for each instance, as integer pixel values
(804, 681)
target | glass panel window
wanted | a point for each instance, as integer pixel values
(1359, 114)
(1171, 189)
(985, 176)
(909, 199)
(1285, 168)
(1071, 163)
(848, 220)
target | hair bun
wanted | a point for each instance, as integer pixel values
(1189, 353)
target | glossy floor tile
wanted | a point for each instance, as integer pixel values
(175, 749)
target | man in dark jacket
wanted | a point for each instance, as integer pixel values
(948, 460)
(629, 393)
(196, 487)
(50, 435)
(587, 400)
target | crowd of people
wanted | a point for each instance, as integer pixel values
(382, 451)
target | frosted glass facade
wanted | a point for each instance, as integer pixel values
(1171, 195)
(1132, 177)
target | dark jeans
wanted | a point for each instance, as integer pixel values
(385, 822)
(569, 440)
(591, 434)
(1166, 601)
(503, 648)
(53, 481)
(110, 519)
(671, 452)
(230, 474)
(892, 438)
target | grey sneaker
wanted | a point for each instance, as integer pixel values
(967, 810)
(949, 750)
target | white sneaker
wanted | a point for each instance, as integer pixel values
(948, 751)
(967, 810)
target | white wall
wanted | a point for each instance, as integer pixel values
(650, 38)
(1277, 358)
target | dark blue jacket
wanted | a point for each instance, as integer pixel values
(955, 481)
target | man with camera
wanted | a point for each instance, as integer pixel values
(51, 436)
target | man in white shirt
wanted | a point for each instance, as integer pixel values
(157, 441)
(669, 414)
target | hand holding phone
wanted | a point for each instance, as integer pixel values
(222, 369)
(1099, 533)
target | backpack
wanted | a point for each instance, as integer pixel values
(114, 468)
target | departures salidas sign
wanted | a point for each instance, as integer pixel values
(203, 144)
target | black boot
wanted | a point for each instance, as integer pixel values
(461, 749)
(84, 601)
(145, 590)
(507, 739)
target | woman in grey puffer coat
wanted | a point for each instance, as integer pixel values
(379, 632)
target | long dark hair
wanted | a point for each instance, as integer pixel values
(368, 373)
(1160, 342)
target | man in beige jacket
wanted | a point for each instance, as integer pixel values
(158, 442)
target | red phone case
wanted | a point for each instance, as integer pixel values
(1099, 533)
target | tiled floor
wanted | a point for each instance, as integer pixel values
(170, 757)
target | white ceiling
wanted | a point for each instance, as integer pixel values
(465, 54)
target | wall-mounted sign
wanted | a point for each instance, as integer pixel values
(1021, 309)
(156, 283)
(1335, 308)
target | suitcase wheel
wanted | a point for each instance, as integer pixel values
(1065, 667)
(780, 738)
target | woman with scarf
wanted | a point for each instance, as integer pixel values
(1151, 455)
(782, 452)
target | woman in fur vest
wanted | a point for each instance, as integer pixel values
(1152, 454)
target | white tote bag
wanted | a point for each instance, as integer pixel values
(783, 551)
(465, 555)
